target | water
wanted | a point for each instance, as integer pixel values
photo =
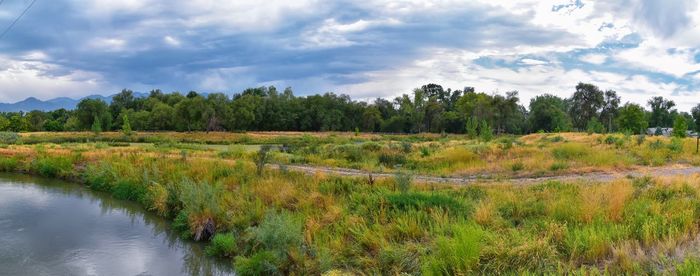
(50, 227)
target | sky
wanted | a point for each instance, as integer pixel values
(366, 49)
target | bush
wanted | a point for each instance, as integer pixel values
(570, 151)
(279, 232)
(9, 164)
(222, 245)
(391, 159)
(9, 138)
(403, 181)
(261, 263)
(676, 145)
(517, 166)
(456, 255)
(53, 166)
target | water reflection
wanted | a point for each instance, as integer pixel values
(50, 227)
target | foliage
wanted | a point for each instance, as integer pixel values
(594, 126)
(222, 245)
(9, 138)
(631, 117)
(680, 127)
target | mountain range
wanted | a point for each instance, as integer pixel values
(32, 103)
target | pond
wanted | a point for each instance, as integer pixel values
(51, 227)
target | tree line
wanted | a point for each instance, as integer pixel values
(430, 108)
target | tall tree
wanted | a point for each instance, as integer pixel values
(610, 108)
(661, 112)
(585, 104)
(632, 117)
(547, 113)
(89, 109)
(696, 119)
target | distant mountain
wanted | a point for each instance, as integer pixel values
(32, 103)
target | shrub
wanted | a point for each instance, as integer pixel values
(279, 232)
(391, 159)
(676, 145)
(222, 245)
(53, 166)
(556, 166)
(403, 181)
(9, 164)
(262, 158)
(261, 263)
(129, 190)
(640, 139)
(9, 138)
(610, 139)
(456, 255)
(517, 166)
(570, 151)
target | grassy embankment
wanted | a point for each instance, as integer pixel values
(430, 154)
(283, 222)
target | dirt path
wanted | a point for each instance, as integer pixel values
(675, 170)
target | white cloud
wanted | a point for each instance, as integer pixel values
(529, 61)
(20, 79)
(594, 58)
(172, 41)
(334, 34)
(108, 44)
(676, 62)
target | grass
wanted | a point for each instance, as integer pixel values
(283, 222)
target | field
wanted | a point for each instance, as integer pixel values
(276, 220)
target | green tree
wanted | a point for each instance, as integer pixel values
(96, 126)
(371, 119)
(89, 109)
(472, 128)
(485, 131)
(594, 126)
(631, 117)
(696, 117)
(680, 127)
(126, 126)
(610, 109)
(19, 123)
(585, 104)
(4, 123)
(661, 112)
(547, 113)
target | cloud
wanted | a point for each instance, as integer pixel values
(366, 49)
(597, 59)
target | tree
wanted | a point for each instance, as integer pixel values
(126, 126)
(680, 127)
(371, 119)
(89, 109)
(4, 123)
(123, 100)
(585, 104)
(661, 110)
(96, 126)
(610, 109)
(696, 116)
(485, 131)
(472, 127)
(631, 117)
(595, 126)
(547, 113)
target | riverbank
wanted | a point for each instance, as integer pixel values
(286, 222)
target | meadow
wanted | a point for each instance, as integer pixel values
(275, 221)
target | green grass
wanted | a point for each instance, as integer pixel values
(285, 222)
